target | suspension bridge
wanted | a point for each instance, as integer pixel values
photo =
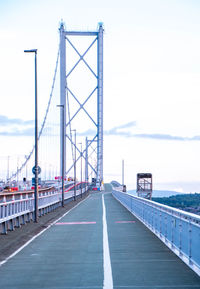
(110, 239)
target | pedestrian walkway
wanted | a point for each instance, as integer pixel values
(139, 259)
(98, 244)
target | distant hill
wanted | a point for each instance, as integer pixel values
(187, 202)
(180, 201)
(158, 193)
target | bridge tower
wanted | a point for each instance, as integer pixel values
(70, 96)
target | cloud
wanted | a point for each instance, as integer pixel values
(5, 121)
(89, 132)
(30, 131)
(126, 125)
(20, 127)
(16, 126)
(17, 132)
(122, 130)
(159, 136)
(166, 137)
(118, 130)
(115, 132)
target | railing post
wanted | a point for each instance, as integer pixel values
(173, 223)
(190, 241)
(165, 227)
(4, 228)
(180, 237)
(160, 216)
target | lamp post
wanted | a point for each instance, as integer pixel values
(63, 148)
(81, 169)
(8, 169)
(26, 157)
(122, 172)
(74, 164)
(86, 161)
(36, 137)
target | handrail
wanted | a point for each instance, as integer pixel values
(13, 211)
(7, 193)
(171, 210)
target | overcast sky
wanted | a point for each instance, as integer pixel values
(151, 81)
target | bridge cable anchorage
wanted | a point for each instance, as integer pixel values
(43, 123)
(108, 280)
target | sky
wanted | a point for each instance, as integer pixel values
(151, 81)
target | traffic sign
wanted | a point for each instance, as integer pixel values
(34, 170)
(33, 181)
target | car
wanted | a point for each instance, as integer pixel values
(7, 189)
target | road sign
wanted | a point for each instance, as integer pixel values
(34, 170)
(33, 181)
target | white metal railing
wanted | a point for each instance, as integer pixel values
(14, 206)
(179, 230)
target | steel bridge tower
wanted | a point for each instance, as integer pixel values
(65, 118)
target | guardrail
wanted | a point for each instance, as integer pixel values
(179, 230)
(17, 208)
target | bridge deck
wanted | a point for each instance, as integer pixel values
(70, 254)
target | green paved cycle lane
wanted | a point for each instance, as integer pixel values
(64, 256)
(70, 254)
(138, 258)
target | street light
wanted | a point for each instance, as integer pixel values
(81, 168)
(74, 164)
(36, 137)
(122, 172)
(63, 148)
(8, 169)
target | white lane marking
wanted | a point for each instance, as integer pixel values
(158, 286)
(108, 280)
(27, 243)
